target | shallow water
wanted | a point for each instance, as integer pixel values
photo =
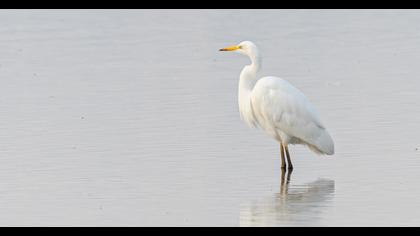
(130, 118)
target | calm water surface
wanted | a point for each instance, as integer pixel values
(130, 118)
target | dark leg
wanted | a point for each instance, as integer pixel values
(283, 175)
(290, 166)
(284, 182)
(289, 173)
(282, 185)
(283, 161)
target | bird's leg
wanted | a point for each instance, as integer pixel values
(283, 161)
(282, 186)
(289, 162)
(284, 182)
(289, 173)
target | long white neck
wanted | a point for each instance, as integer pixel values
(247, 81)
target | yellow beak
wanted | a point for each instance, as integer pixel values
(231, 48)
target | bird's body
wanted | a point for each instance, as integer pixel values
(284, 112)
(277, 107)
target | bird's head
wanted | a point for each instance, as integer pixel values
(246, 48)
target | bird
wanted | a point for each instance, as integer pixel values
(278, 108)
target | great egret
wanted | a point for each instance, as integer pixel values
(280, 109)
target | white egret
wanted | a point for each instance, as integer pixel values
(277, 107)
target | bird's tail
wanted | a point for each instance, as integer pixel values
(323, 145)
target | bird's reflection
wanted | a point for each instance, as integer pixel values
(295, 205)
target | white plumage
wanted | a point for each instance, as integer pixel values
(277, 107)
(284, 111)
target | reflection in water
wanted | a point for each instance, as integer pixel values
(296, 205)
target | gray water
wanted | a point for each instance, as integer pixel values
(130, 118)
